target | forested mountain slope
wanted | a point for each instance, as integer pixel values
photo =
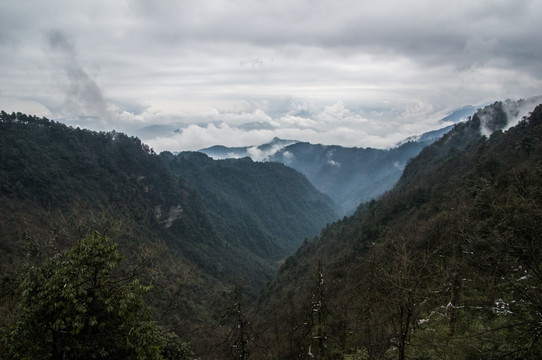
(50, 170)
(251, 202)
(351, 176)
(348, 176)
(447, 265)
(59, 184)
(257, 212)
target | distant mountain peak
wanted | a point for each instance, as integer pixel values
(427, 137)
(256, 152)
(348, 175)
(459, 115)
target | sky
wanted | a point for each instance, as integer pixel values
(189, 74)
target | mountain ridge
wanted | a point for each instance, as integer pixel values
(445, 263)
(233, 186)
(348, 175)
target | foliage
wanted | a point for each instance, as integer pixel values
(250, 202)
(445, 266)
(75, 306)
(63, 182)
(173, 348)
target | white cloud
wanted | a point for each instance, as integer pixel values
(288, 156)
(337, 113)
(16, 104)
(298, 121)
(260, 155)
(195, 137)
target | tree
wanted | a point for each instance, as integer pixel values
(318, 318)
(405, 280)
(313, 332)
(77, 305)
(242, 338)
(238, 333)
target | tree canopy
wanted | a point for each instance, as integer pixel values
(77, 304)
(447, 265)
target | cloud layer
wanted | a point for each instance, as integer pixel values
(240, 72)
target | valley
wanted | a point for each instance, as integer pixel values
(349, 176)
(439, 252)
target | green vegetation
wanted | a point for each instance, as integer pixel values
(448, 265)
(249, 202)
(58, 184)
(74, 306)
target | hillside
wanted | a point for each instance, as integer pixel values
(199, 225)
(49, 171)
(349, 176)
(250, 202)
(261, 210)
(446, 265)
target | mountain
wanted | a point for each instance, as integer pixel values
(427, 138)
(49, 169)
(257, 212)
(192, 226)
(460, 115)
(349, 176)
(260, 152)
(445, 265)
(257, 153)
(267, 207)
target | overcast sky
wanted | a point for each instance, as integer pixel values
(240, 72)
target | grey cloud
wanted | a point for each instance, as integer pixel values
(83, 96)
(256, 126)
(252, 63)
(397, 66)
(432, 32)
(58, 41)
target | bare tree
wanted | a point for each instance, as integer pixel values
(404, 280)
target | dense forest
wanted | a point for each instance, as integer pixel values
(58, 185)
(244, 197)
(348, 175)
(447, 265)
(111, 251)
